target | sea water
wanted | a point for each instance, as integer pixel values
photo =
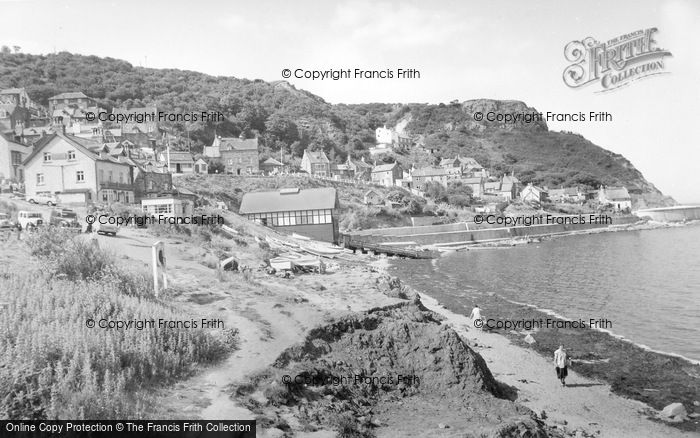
(646, 283)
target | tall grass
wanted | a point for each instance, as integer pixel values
(53, 366)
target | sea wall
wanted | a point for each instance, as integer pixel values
(438, 235)
(679, 213)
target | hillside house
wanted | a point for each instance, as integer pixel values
(387, 140)
(239, 155)
(19, 97)
(506, 189)
(341, 171)
(178, 162)
(618, 197)
(13, 117)
(12, 155)
(533, 194)
(150, 181)
(272, 167)
(77, 171)
(309, 212)
(420, 177)
(316, 163)
(360, 169)
(476, 183)
(571, 195)
(201, 166)
(387, 174)
(72, 99)
(371, 197)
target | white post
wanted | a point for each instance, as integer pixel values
(159, 267)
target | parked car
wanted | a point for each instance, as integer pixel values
(5, 222)
(43, 198)
(29, 219)
(65, 218)
(106, 229)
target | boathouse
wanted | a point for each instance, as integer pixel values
(309, 212)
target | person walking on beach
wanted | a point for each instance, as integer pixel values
(476, 316)
(561, 362)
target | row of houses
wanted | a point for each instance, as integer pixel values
(79, 171)
(617, 198)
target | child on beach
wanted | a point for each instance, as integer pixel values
(476, 316)
(561, 361)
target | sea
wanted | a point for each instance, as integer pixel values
(645, 282)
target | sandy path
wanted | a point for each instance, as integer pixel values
(584, 403)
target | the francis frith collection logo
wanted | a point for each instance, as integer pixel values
(615, 63)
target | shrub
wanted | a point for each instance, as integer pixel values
(52, 366)
(64, 255)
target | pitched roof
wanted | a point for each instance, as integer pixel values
(288, 200)
(70, 95)
(436, 171)
(360, 163)
(178, 156)
(238, 144)
(11, 91)
(473, 180)
(384, 167)
(617, 193)
(316, 157)
(272, 162)
(81, 144)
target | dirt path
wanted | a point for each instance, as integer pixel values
(583, 403)
(271, 314)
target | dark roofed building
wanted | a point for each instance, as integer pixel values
(618, 197)
(387, 174)
(316, 163)
(238, 155)
(310, 212)
(272, 166)
(76, 98)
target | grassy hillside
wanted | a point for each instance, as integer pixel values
(288, 119)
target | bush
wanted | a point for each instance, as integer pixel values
(65, 255)
(52, 366)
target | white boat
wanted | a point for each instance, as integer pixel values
(280, 243)
(322, 250)
(281, 264)
(300, 237)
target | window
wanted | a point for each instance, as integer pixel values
(230, 161)
(40, 179)
(163, 209)
(80, 176)
(102, 175)
(71, 155)
(110, 176)
(16, 158)
(47, 156)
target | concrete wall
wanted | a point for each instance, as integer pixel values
(671, 214)
(475, 236)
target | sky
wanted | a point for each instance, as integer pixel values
(463, 50)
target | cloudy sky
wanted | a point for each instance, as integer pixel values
(463, 50)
